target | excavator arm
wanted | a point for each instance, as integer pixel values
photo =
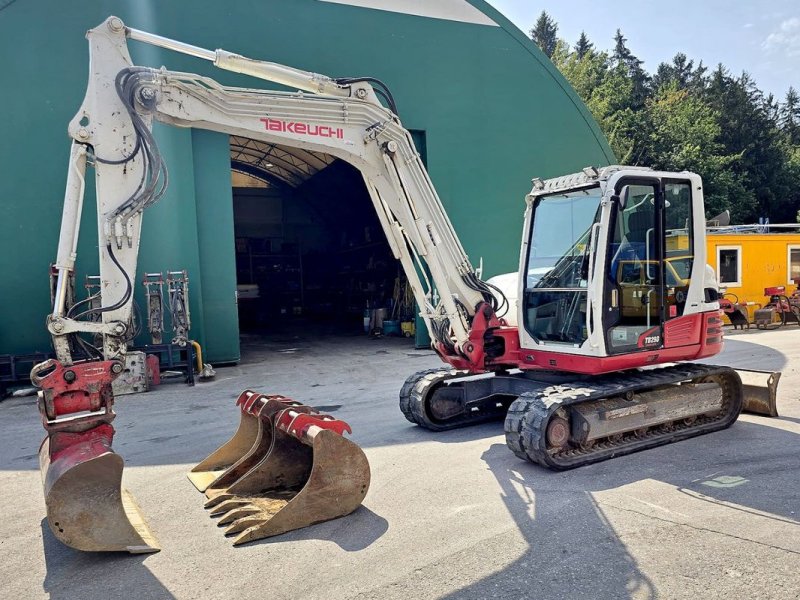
(342, 118)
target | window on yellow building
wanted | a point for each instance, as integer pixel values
(793, 262)
(729, 266)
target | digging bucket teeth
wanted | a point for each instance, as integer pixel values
(760, 390)
(310, 473)
(87, 508)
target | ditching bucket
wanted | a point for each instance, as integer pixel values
(87, 508)
(760, 390)
(310, 473)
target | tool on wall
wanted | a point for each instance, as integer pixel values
(178, 294)
(178, 291)
(154, 293)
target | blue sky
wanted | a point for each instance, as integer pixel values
(761, 37)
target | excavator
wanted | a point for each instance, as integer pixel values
(587, 352)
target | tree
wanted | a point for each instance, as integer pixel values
(682, 72)
(585, 74)
(683, 135)
(612, 105)
(622, 56)
(629, 65)
(748, 129)
(789, 116)
(545, 34)
(745, 144)
(583, 46)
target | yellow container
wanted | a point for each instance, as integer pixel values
(408, 329)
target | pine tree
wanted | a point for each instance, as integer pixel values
(790, 116)
(621, 54)
(583, 46)
(628, 64)
(544, 33)
(680, 71)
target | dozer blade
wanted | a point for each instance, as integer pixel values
(86, 507)
(760, 390)
(310, 474)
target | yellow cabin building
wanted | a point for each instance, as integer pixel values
(748, 262)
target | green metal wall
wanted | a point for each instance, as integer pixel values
(495, 113)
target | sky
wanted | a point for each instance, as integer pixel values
(761, 37)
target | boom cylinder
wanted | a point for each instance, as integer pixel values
(288, 76)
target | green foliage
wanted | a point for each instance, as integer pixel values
(745, 145)
(789, 116)
(545, 33)
(583, 46)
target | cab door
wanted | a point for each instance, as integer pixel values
(635, 293)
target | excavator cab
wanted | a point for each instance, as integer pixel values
(616, 253)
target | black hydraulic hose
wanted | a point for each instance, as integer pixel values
(125, 297)
(155, 177)
(81, 303)
(384, 89)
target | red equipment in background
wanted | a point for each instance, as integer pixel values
(780, 309)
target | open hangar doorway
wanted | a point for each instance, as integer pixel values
(311, 256)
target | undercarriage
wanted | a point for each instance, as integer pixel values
(562, 421)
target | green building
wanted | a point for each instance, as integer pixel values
(488, 111)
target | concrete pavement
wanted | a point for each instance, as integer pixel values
(451, 515)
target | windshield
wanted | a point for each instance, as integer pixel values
(559, 240)
(558, 263)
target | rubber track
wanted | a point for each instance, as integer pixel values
(527, 418)
(417, 390)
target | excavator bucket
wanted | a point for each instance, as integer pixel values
(760, 390)
(308, 473)
(87, 508)
(248, 446)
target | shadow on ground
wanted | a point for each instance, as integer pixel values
(574, 552)
(74, 574)
(351, 533)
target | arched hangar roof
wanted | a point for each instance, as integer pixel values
(487, 109)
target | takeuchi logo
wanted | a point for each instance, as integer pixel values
(302, 128)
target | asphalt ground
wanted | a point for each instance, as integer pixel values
(448, 515)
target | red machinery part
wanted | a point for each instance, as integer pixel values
(153, 369)
(69, 391)
(87, 508)
(297, 424)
